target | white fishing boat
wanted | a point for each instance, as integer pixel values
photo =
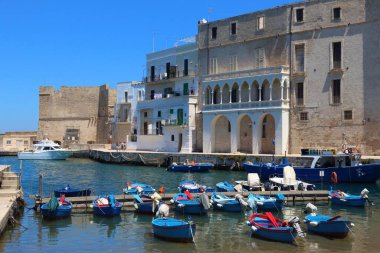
(45, 150)
(289, 182)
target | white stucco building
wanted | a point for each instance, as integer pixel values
(166, 118)
(125, 116)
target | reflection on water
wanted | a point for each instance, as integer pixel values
(130, 232)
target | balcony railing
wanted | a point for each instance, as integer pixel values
(247, 105)
(248, 73)
(169, 77)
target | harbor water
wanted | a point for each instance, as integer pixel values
(216, 231)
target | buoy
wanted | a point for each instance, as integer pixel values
(91, 206)
(172, 201)
(254, 229)
(260, 203)
(352, 225)
(180, 205)
(334, 177)
(248, 223)
(219, 205)
(136, 206)
(314, 223)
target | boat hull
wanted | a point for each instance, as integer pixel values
(190, 207)
(106, 210)
(45, 155)
(366, 173)
(284, 235)
(173, 230)
(72, 192)
(227, 207)
(146, 208)
(338, 228)
(190, 168)
(351, 200)
(60, 212)
(224, 187)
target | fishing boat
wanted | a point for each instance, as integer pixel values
(224, 187)
(147, 204)
(334, 227)
(56, 209)
(268, 227)
(106, 206)
(347, 168)
(193, 187)
(72, 192)
(138, 188)
(224, 203)
(289, 182)
(266, 203)
(190, 167)
(186, 203)
(253, 183)
(173, 230)
(342, 198)
(45, 150)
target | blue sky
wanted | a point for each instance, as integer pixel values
(89, 43)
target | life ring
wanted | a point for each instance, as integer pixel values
(334, 177)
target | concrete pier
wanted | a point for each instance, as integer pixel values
(10, 191)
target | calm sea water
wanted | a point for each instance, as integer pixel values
(216, 232)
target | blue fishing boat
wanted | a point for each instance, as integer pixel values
(147, 204)
(186, 203)
(106, 206)
(173, 229)
(266, 203)
(193, 187)
(342, 198)
(138, 188)
(346, 168)
(190, 167)
(268, 227)
(334, 227)
(224, 203)
(224, 187)
(72, 192)
(56, 209)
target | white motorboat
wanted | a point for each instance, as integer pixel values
(45, 150)
(289, 182)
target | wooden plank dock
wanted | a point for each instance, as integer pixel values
(82, 204)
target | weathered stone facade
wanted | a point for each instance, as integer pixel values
(76, 115)
(17, 141)
(328, 52)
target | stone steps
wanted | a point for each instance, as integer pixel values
(10, 180)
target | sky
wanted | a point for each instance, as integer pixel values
(90, 43)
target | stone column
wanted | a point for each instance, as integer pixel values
(270, 93)
(221, 96)
(249, 97)
(212, 97)
(230, 96)
(260, 93)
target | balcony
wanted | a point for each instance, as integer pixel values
(167, 102)
(283, 104)
(248, 73)
(165, 77)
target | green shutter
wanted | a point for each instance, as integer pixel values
(179, 116)
(185, 89)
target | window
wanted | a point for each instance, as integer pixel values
(72, 134)
(233, 63)
(233, 28)
(260, 23)
(229, 127)
(299, 15)
(214, 66)
(26, 142)
(126, 96)
(9, 142)
(304, 116)
(336, 92)
(172, 137)
(171, 111)
(152, 73)
(186, 67)
(347, 115)
(300, 94)
(159, 114)
(300, 58)
(145, 114)
(337, 13)
(337, 55)
(140, 96)
(214, 32)
(260, 57)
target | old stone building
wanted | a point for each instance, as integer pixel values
(296, 76)
(76, 115)
(17, 141)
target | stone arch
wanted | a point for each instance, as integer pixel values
(255, 91)
(208, 95)
(276, 90)
(226, 94)
(217, 96)
(245, 134)
(235, 93)
(221, 135)
(265, 90)
(245, 92)
(267, 134)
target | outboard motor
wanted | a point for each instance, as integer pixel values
(241, 200)
(301, 187)
(364, 193)
(205, 201)
(252, 204)
(310, 208)
(267, 186)
(295, 223)
(163, 211)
